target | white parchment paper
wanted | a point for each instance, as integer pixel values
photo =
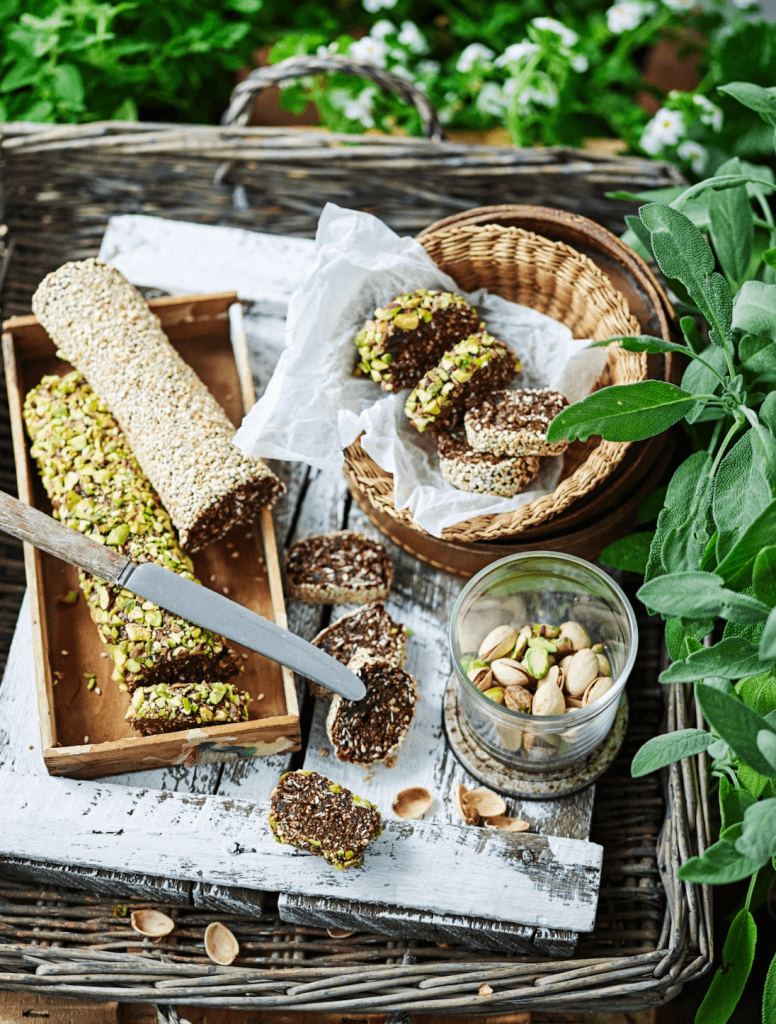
(314, 407)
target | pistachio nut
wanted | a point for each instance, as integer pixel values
(541, 641)
(525, 631)
(481, 677)
(548, 700)
(581, 672)
(495, 693)
(554, 675)
(578, 635)
(517, 698)
(604, 668)
(520, 647)
(573, 703)
(537, 661)
(550, 632)
(565, 662)
(498, 643)
(564, 645)
(597, 689)
(509, 672)
(598, 648)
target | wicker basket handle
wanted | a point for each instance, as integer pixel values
(310, 64)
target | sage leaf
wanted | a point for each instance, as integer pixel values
(733, 805)
(733, 658)
(764, 576)
(732, 225)
(753, 96)
(646, 343)
(642, 234)
(628, 553)
(737, 724)
(768, 638)
(682, 636)
(652, 505)
(748, 546)
(719, 865)
(752, 781)
(741, 492)
(758, 692)
(687, 485)
(758, 836)
(685, 543)
(767, 412)
(758, 355)
(700, 595)
(766, 741)
(693, 336)
(754, 309)
(729, 979)
(769, 994)
(700, 379)
(623, 412)
(669, 747)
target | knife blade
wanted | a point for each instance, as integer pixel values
(191, 601)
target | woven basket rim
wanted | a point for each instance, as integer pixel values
(377, 484)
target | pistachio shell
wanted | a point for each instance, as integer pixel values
(578, 635)
(498, 643)
(504, 824)
(597, 689)
(470, 816)
(412, 803)
(520, 647)
(339, 933)
(517, 698)
(509, 672)
(486, 803)
(554, 675)
(548, 700)
(565, 662)
(581, 672)
(152, 923)
(604, 668)
(220, 945)
(481, 677)
(573, 703)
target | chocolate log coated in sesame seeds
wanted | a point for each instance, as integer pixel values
(369, 630)
(373, 728)
(338, 568)
(515, 422)
(312, 813)
(176, 429)
(482, 472)
(471, 369)
(410, 334)
(163, 708)
(97, 487)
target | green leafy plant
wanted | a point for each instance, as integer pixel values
(709, 563)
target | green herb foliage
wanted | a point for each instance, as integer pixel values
(710, 567)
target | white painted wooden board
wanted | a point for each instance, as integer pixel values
(449, 869)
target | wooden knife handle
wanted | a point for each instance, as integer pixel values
(36, 528)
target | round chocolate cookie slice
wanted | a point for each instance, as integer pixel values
(481, 472)
(338, 568)
(312, 813)
(369, 630)
(373, 729)
(515, 422)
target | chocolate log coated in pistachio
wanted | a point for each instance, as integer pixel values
(163, 708)
(473, 368)
(312, 813)
(97, 488)
(409, 335)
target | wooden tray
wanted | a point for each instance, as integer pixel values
(84, 734)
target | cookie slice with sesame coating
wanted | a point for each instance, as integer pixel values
(515, 422)
(370, 630)
(338, 568)
(472, 369)
(163, 708)
(312, 813)
(373, 728)
(482, 472)
(409, 335)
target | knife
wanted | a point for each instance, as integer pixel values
(190, 601)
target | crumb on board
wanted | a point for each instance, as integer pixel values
(324, 752)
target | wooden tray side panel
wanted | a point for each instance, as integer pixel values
(83, 731)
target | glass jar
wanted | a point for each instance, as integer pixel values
(541, 587)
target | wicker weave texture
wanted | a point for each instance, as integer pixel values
(554, 279)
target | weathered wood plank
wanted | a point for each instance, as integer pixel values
(528, 879)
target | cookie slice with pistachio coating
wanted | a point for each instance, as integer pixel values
(370, 630)
(164, 708)
(373, 728)
(344, 567)
(408, 336)
(482, 472)
(515, 422)
(312, 813)
(473, 368)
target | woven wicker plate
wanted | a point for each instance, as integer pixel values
(555, 279)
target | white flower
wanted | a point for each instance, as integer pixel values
(680, 5)
(359, 108)
(373, 6)
(383, 28)
(743, 4)
(324, 51)
(665, 129)
(579, 62)
(428, 67)
(475, 53)
(627, 15)
(568, 36)
(710, 112)
(403, 72)
(412, 37)
(543, 92)
(695, 153)
(369, 49)
(491, 100)
(515, 53)
(451, 108)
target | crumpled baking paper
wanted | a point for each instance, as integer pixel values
(314, 407)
